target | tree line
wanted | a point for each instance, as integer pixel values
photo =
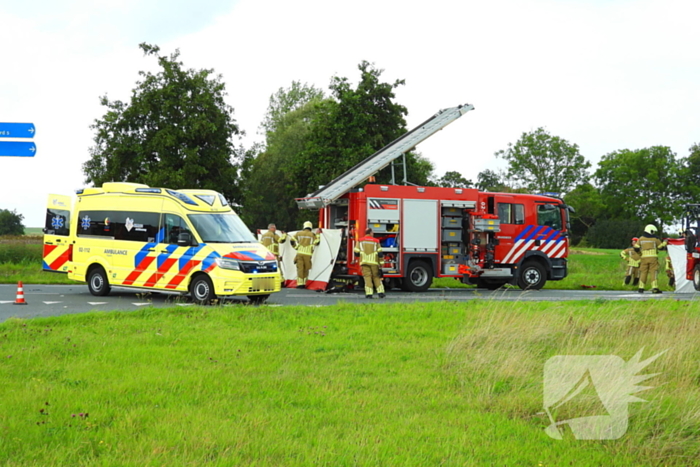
(177, 131)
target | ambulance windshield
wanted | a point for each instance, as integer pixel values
(221, 228)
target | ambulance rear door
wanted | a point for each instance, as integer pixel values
(58, 244)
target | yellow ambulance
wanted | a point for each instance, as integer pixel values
(133, 235)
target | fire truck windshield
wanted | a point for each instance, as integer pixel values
(221, 228)
(549, 215)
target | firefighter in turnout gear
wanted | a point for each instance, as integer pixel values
(648, 246)
(369, 251)
(272, 240)
(304, 242)
(669, 272)
(633, 259)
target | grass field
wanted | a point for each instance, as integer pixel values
(411, 385)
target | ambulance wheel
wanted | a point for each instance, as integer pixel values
(97, 281)
(202, 290)
(418, 277)
(532, 276)
(258, 299)
(696, 277)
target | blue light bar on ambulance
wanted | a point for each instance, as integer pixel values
(147, 190)
(182, 197)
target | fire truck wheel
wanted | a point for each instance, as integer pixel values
(418, 277)
(532, 276)
(696, 277)
(202, 290)
(97, 281)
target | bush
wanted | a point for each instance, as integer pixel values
(11, 223)
(611, 233)
(19, 249)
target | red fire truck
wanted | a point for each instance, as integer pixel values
(483, 238)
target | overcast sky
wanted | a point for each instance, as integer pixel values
(605, 75)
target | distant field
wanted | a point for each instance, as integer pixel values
(33, 231)
(449, 384)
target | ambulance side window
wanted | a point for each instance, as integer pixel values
(119, 225)
(57, 222)
(174, 225)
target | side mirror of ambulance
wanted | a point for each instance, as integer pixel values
(186, 239)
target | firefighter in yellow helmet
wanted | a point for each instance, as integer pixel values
(272, 240)
(304, 242)
(369, 250)
(632, 258)
(648, 246)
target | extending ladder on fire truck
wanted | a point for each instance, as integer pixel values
(382, 158)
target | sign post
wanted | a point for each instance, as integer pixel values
(17, 131)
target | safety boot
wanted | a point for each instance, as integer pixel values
(655, 290)
(627, 280)
(381, 295)
(369, 297)
(636, 281)
(640, 290)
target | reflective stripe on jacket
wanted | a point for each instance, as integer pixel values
(304, 242)
(631, 256)
(271, 241)
(649, 246)
(368, 248)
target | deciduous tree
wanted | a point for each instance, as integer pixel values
(352, 126)
(453, 179)
(176, 131)
(542, 163)
(643, 184)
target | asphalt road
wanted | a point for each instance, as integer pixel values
(56, 300)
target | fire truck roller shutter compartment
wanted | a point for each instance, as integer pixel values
(420, 225)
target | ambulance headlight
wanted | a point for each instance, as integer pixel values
(228, 263)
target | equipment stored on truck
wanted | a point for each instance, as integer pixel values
(483, 238)
(157, 239)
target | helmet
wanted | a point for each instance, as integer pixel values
(635, 239)
(308, 225)
(650, 229)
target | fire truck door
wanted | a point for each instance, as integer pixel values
(420, 225)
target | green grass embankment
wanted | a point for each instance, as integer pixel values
(405, 384)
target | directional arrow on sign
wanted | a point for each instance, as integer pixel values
(17, 130)
(17, 148)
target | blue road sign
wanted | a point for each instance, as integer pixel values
(17, 130)
(17, 148)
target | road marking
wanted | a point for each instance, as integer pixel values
(51, 303)
(142, 304)
(97, 303)
(6, 301)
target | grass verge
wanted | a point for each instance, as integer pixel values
(408, 384)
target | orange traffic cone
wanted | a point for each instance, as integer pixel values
(20, 295)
